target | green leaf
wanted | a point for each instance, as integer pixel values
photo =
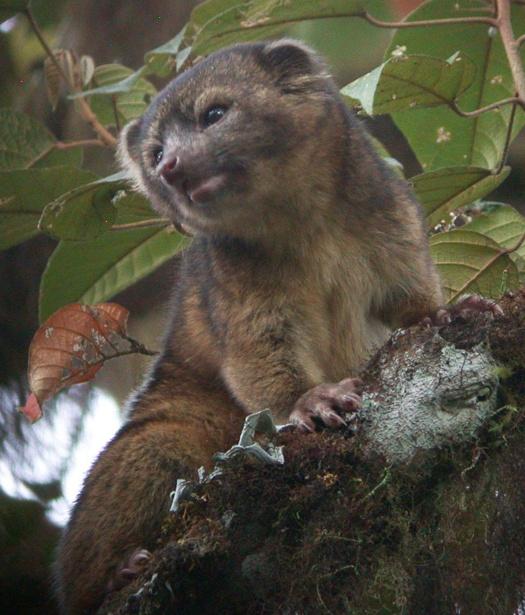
(23, 140)
(469, 262)
(8, 8)
(70, 157)
(132, 93)
(24, 194)
(160, 60)
(217, 23)
(407, 82)
(113, 79)
(445, 190)
(505, 226)
(440, 137)
(84, 212)
(132, 207)
(97, 270)
(24, 143)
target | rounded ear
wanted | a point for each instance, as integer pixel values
(128, 151)
(295, 64)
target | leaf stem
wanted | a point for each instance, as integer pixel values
(141, 224)
(514, 100)
(85, 110)
(139, 348)
(449, 21)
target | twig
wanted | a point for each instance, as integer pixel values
(384, 480)
(141, 224)
(139, 348)
(520, 40)
(49, 52)
(85, 110)
(508, 139)
(115, 111)
(496, 105)
(370, 18)
(80, 143)
(448, 21)
(511, 46)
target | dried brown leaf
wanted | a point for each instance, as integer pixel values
(71, 346)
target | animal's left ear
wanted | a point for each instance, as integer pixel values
(294, 63)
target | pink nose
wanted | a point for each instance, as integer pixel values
(171, 171)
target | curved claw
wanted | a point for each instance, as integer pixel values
(464, 308)
(325, 403)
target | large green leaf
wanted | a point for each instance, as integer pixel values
(503, 224)
(84, 212)
(217, 23)
(407, 82)
(445, 190)
(23, 195)
(70, 157)
(160, 60)
(96, 270)
(440, 137)
(506, 226)
(24, 143)
(469, 262)
(132, 94)
(23, 140)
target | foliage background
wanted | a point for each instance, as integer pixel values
(120, 33)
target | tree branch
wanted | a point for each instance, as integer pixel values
(85, 110)
(511, 46)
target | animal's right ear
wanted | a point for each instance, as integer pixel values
(297, 67)
(128, 152)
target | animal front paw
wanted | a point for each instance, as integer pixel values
(467, 306)
(130, 569)
(325, 404)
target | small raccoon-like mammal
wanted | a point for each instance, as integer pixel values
(307, 252)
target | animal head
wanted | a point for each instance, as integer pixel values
(243, 132)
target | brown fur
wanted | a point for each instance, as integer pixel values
(297, 272)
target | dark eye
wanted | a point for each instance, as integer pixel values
(213, 115)
(157, 155)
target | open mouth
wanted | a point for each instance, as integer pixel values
(205, 190)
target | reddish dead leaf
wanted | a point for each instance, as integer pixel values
(71, 346)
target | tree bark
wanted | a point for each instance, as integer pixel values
(416, 507)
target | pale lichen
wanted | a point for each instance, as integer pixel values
(428, 398)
